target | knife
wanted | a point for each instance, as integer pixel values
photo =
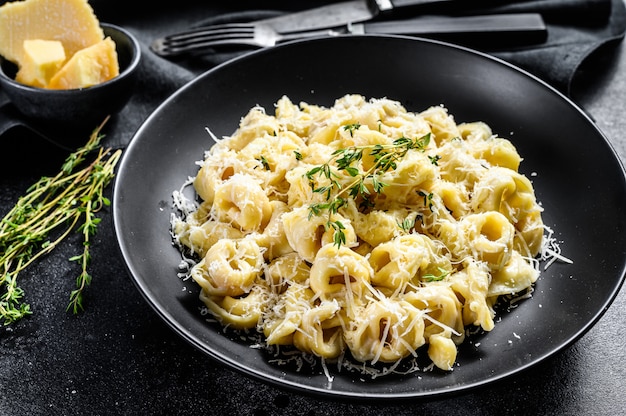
(356, 11)
(484, 31)
(343, 13)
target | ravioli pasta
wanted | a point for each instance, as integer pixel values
(427, 245)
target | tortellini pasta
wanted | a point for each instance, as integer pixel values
(361, 229)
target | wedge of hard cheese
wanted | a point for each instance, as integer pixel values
(42, 59)
(72, 22)
(88, 67)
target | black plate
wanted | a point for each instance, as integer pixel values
(579, 181)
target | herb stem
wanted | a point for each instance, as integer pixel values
(385, 157)
(50, 210)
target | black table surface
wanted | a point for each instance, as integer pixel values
(119, 357)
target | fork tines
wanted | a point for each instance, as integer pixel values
(201, 37)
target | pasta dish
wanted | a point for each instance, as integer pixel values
(360, 230)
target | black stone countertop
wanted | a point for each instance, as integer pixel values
(119, 357)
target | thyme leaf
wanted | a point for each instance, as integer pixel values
(428, 199)
(407, 224)
(264, 162)
(429, 277)
(351, 128)
(434, 159)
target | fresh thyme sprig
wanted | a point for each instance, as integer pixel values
(54, 206)
(385, 158)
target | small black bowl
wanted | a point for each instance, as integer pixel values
(85, 107)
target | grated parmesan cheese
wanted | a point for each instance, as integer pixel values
(455, 231)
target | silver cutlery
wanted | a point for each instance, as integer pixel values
(503, 29)
(358, 11)
(352, 11)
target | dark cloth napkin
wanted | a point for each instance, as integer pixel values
(570, 44)
(577, 31)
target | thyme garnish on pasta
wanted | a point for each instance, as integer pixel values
(407, 224)
(346, 160)
(264, 162)
(430, 277)
(50, 210)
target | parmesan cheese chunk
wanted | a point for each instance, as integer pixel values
(90, 66)
(42, 59)
(72, 22)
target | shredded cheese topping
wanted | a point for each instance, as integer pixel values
(446, 230)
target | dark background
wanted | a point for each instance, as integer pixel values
(119, 357)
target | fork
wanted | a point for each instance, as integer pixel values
(228, 35)
(510, 29)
